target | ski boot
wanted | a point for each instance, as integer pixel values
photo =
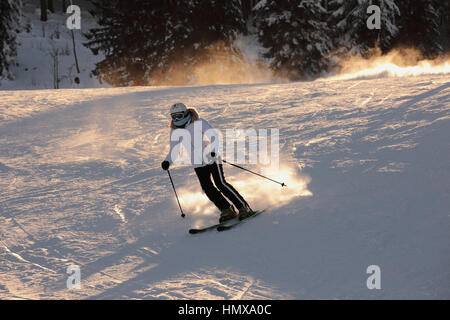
(227, 214)
(245, 212)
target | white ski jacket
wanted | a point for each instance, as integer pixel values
(193, 144)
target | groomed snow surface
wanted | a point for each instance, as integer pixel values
(367, 168)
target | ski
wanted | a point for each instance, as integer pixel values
(229, 226)
(222, 226)
(212, 227)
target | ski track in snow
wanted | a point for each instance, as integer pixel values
(80, 183)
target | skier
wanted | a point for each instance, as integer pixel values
(184, 118)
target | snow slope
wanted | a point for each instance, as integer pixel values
(366, 163)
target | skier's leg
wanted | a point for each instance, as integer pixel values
(204, 176)
(226, 188)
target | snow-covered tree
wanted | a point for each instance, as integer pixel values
(419, 25)
(9, 26)
(350, 31)
(199, 31)
(295, 34)
(247, 8)
(148, 41)
(444, 10)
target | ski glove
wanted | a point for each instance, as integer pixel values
(211, 157)
(165, 165)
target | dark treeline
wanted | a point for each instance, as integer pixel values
(149, 42)
(142, 39)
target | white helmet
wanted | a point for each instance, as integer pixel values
(180, 115)
(178, 108)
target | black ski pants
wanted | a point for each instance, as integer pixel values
(216, 192)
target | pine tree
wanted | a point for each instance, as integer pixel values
(9, 18)
(199, 31)
(295, 34)
(121, 37)
(419, 26)
(444, 25)
(247, 8)
(151, 41)
(351, 34)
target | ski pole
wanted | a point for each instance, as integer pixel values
(235, 165)
(171, 181)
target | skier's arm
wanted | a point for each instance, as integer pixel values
(173, 143)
